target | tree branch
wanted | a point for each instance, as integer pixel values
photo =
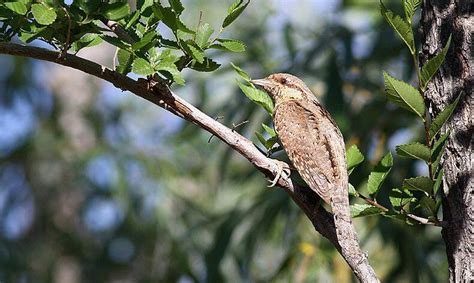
(162, 96)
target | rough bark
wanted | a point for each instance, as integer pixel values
(439, 20)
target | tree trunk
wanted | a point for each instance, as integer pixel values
(439, 20)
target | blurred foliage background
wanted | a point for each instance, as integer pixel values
(97, 185)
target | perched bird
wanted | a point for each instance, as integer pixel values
(316, 148)
(308, 134)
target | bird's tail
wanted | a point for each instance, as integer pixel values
(347, 236)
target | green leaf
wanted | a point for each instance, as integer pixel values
(168, 16)
(438, 182)
(261, 139)
(352, 191)
(400, 26)
(125, 60)
(269, 130)
(241, 72)
(116, 11)
(404, 95)
(379, 174)
(176, 6)
(43, 15)
(353, 158)
(399, 198)
(203, 34)
(167, 65)
(116, 42)
(359, 210)
(414, 150)
(87, 40)
(410, 7)
(431, 66)
(229, 45)
(258, 96)
(17, 7)
(207, 66)
(437, 151)
(428, 204)
(142, 67)
(420, 183)
(234, 12)
(193, 51)
(442, 117)
(147, 40)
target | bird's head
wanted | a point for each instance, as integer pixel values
(283, 87)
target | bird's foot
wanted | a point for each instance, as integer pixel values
(283, 170)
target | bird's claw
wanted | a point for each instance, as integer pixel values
(283, 170)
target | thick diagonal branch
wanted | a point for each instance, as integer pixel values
(161, 96)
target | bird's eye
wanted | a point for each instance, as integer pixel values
(283, 81)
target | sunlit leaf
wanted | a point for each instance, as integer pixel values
(414, 150)
(442, 117)
(431, 67)
(87, 40)
(229, 45)
(203, 34)
(241, 72)
(404, 95)
(208, 65)
(125, 60)
(438, 182)
(142, 67)
(352, 191)
(176, 6)
(353, 157)
(379, 174)
(399, 198)
(17, 7)
(258, 96)
(410, 7)
(43, 15)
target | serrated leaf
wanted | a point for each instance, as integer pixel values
(125, 60)
(353, 158)
(193, 51)
(359, 210)
(203, 34)
(410, 7)
(116, 11)
(428, 204)
(420, 183)
(87, 40)
(258, 96)
(229, 45)
(379, 174)
(234, 12)
(442, 117)
(166, 64)
(147, 40)
(414, 150)
(404, 95)
(133, 20)
(431, 66)
(176, 6)
(169, 17)
(142, 67)
(399, 198)
(402, 28)
(241, 72)
(438, 182)
(208, 65)
(437, 151)
(17, 7)
(43, 15)
(269, 130)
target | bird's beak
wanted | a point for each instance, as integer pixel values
(264, 83)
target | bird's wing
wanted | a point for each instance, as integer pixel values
(307, 139)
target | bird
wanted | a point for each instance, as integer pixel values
(309, 135)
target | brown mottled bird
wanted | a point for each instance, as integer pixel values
(309, 135)
(316, 148)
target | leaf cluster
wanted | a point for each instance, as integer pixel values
(142, 47)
